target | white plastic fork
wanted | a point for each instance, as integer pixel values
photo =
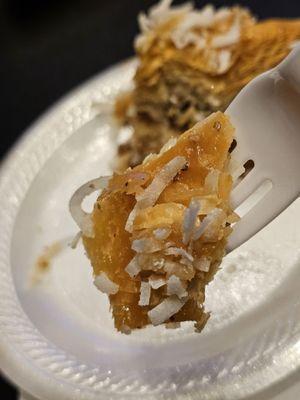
(266, 115)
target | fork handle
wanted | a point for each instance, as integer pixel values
(289, 68)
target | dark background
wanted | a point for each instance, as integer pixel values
(48, 47)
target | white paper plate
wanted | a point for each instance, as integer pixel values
(57, 338)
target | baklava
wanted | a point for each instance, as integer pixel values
(192, 63)
(158, 231)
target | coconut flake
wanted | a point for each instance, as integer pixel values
(157, 15)
(181, 41)
(176, 287)
(210, 218)
(199, 116)
(163, 311)
(150, 195)
(82, 218)
(145, 292)
(202, 264)
(178, 251)
(197, 19)
(162, 233)
(189, 220)
(156, 281)
(105, 285)
(167, 146)
(185, 272)
(146, 245)
(232, 36)
(208, 203)
(212, 180)
(131, 218)
(151, 262)
(144, 23)
(169, 244)
(184, 35)
(163, 11)
(213, 101)
(160, 181)
(149, 157)
(186, 262)
(224, 58)
(222, 13)
(159, 12)
(133, 268)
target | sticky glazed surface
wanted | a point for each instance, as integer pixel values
(205, 149)
(182, 76)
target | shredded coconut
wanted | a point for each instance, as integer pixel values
(193, 27)
(150, 195)
(149, 157)
(222, 13)
(161, 180)
(202, 264)
(183, 34)
(212, 180)
(162, 233)
(157, 15)
(151, 262)
(133, 268)
(156, 281)
(82, 218)
(224, 58)
(213, 100)
(178, 251)
(210, 218)
(208, 203)
(167, 146)
(145, 293)
(144, 23)
(175, 286)
(186, 262)
(189, 220)
(197, 19)
(232, 36)
(185, 272)
(181, 41)
(146, 245)
(163, 311)
(162, 11)
(105, 285)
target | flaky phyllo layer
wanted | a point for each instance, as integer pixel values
(158, 232)
(191, 63)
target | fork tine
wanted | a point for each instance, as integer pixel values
(241, 155)
(247, 186)
(267, 119)
(271, 205)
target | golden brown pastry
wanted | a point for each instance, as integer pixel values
(158, 232)
(191, 63)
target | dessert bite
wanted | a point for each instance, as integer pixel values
(158, 231)
(191, 63)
